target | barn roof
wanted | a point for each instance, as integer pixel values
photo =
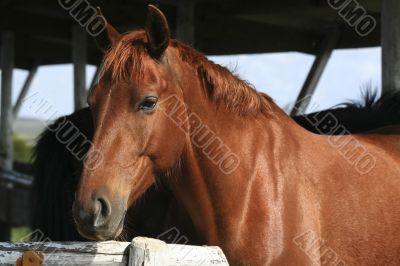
(43, 28)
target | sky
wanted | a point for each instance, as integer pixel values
(280, 75)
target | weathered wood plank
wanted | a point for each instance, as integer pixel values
(141, 252)
(69, 253)
(16, 178)
(153, 252)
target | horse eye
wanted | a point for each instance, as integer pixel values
(148, 104)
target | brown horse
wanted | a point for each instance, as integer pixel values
(252, 181)
(57, 171)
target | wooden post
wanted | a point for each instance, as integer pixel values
(95, 78)
(7, 66)
(154, 252)
(6, 147)
(25, 89)
(5, 231)
(5, 228)
(79, 44)
(185, 21)
(390, 41)
(5, 217)
(318, 67)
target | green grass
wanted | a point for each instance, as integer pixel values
(19, 233)
(22, 151)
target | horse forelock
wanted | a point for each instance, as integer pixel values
(222, 86)
(125, 58)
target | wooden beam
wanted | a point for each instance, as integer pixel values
(79, 59)
(318, 67)
(15, 201)
(140, 252)
(7, 66)
(6, 145)
(25, 89)
(390, 41)
(37, 26)
(185, 21)
(72, 253)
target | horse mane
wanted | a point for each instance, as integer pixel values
(370, 100)
(56, 175)
(222, 86)
(125, 57)
(358, 116)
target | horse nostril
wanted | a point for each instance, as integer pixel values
(102, 212)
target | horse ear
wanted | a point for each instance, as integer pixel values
(157, 31)
(108, 37)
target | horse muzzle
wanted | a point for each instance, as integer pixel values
(98, 218)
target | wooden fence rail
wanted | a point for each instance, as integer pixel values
(140, 252)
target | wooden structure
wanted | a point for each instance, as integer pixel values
(390, 45)
(317, 69)
(44, 32)
(141, 252)
(15, 201)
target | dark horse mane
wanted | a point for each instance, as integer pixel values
(56, 175)
(370, 100)
(238, 95)
(369, 113)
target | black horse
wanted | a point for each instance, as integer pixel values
(57, 168)
(356, 117)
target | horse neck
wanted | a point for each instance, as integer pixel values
(214, 195)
